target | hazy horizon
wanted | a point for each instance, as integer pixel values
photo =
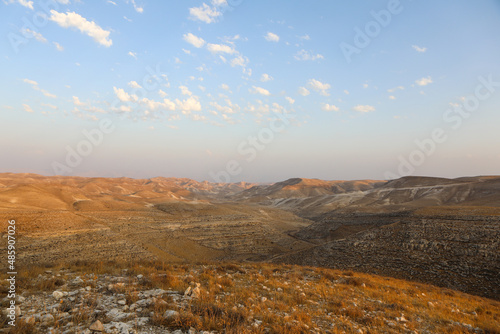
(236, 91)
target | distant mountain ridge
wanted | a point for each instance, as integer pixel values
(307, 197)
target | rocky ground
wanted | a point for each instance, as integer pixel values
(460, 252)
(237, 298)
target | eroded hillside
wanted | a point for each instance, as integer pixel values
(439, 231)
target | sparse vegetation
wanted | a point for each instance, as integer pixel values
(264, 298)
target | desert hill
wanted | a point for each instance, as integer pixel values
(434, 230)
(312, 198)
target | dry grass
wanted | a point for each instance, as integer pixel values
(268, 298)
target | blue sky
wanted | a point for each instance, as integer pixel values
(326, 89)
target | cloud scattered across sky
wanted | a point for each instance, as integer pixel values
(307, 55)
(25, 3)
(228, 65)
(207, 13)
(36, 87)
(266, 77)
(363, 108)
(319, 86)
(195, 41)
(90, 28)
(272, 37)
(419, 49)
(303, 91)
(330, 107)
(30, 34)
(27, 108)
(424, 81)
(259, 90)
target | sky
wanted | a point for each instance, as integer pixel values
(257, 91)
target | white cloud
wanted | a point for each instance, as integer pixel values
(25, 3)
(162, 93)
(90, 28)
(44, 92)
(290, 100)
(346, 92)
(303, 91)
(169, 104)
(132, 54)
(365, 85)
(392, 90)
(424, 81)
(305, 37)
(35, 86)
(27, 108)
(259, 90)
(204, 13)
(112, 2)
(392, 97)
(229, 109)
(219, 3)
(49, 105)
(319, 86)
(185, 90)
(86, 106)
(364, 108)
(329, 107)
(271, 37)
(277, 108)
(31, 82)
(220, 48)
(224, 86)
(122, 95)
(196, 41)
(28, 33)
(191, 104)
(77, 102)
(137, 8)
(134, 84)
(59, 47)
(307, 55)
(266, 77)
(123, 108)
(419, 49)
(240, 61)
(155, 105)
